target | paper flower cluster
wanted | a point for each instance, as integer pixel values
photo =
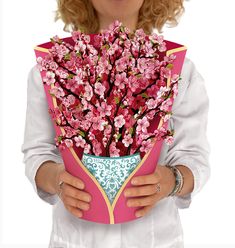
(109, 87)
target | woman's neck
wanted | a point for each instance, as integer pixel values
(130, 22)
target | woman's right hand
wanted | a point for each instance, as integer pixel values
(71, 192)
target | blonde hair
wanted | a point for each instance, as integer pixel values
(80, 14)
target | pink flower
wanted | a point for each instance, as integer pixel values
(121, 80)
(71, 84)
(87, 148)
(104, 109)
(99, 89)
(107, 130)
(68, 101)
(142, 125)
(175, 78)
(152, 91)
(114, 151)
(166, 117)
(68, 142)
(121, 64)
(151, 103)
(80, 141)
(113, 48)
(162, 47)
(61, 73)
(57, 91)
(165, 106)
(50, 78)
(103, 66)
(142, 65)
(88, 92)
(165, 72)
(59, 50)
(119, 121)
(169, 140)
(80, 46)
(133, 83)
(146, 145)
(114, 26)
(98, 123)
(161, 91)
(97, 148)
(127, 140)
(175, 90)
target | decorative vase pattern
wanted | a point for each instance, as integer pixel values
(111, 172)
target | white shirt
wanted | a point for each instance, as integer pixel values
(161, 227)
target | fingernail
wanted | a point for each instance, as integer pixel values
(134, 181)
(126, 193)
(137, 214)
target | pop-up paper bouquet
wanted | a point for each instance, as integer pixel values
(110, 96)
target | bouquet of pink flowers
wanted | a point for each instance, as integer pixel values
(109, 92)
(110, 97)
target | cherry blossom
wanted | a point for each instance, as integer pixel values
(99, 89)
(50, 78)
(104, 109)
(119, 121)
(80, 142)
(109, 91)
(127, 140)
(142, 125)
(169, 140)
(146, 145)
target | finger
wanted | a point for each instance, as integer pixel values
(76, 193)
(146, 179)
(142, 201)
(75, 211)
(143, 211)
(140, 190)
(69, 179)
(76, 203)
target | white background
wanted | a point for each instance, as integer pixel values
(206, 29)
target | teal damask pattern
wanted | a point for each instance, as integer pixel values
(111, 172)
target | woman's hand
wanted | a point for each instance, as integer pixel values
(71, 192)
(145, 191)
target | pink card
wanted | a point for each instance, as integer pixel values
(101, 209)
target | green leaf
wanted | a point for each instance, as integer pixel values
(131, 130)
(169, 66)
(144, 95)
(116, 99)
(67, 56)
(122, 105)
(82, 133)
(122, 29)
(119, 136)
(70, 76)
(59, 138)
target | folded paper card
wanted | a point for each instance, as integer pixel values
(110, 97)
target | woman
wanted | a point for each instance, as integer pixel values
(160, 224)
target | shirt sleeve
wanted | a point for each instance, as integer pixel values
(39, 144)
(189, 121)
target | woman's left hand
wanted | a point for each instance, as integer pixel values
(145, 190)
